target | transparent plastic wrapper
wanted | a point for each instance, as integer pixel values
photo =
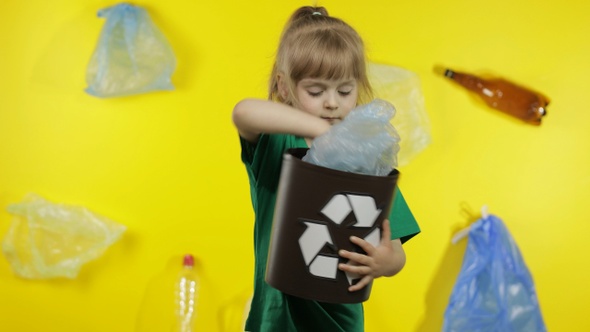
(132, 55)
(494, 290)
(401, 87)
(364, 142)
(47, 240)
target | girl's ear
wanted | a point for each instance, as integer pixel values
(282, 86)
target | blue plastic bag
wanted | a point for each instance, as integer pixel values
(132, 56)
(494, 291)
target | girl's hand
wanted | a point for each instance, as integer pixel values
(387, 259)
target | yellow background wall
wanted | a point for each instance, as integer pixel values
(167, 164)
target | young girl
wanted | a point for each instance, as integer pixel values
(319, 76)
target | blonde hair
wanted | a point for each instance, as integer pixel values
(314, 44)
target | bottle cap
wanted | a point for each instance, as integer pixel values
(188, 261)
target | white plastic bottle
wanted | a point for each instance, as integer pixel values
(186, 296)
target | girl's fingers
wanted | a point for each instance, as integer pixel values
(366, 246)
(355, 257)
(361, 284)
(352, 267)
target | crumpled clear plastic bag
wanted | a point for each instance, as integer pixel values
(364, 142)
(47, 240)
(132, 55)
(401, 87)
(494, 290)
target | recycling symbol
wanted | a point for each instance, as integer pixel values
(317, 234)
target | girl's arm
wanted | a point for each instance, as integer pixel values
(253, 117)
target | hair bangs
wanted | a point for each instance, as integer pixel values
(328, 58)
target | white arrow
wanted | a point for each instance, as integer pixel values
(374, 238)
(365, 210)
(313, 240)
(337, 209)
(324, 266)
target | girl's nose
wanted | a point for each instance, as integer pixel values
(331, 103)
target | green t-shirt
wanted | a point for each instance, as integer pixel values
(272, 310)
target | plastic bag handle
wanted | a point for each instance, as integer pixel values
(465, 231)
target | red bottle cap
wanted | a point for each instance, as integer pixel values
(188, 261)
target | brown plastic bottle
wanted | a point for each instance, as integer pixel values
(505, 96)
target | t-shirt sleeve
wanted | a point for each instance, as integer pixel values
(402, 221)
(248, 151)
(264, 158)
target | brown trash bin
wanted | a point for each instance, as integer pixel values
(317, 210)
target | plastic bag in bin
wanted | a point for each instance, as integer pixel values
(365, 142)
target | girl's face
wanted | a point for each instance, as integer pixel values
(331, 100)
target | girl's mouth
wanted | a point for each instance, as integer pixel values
(332, 120)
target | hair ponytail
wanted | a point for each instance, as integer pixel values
(308, 11)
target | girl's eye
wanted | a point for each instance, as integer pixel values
(344, 93)
(314, 93)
